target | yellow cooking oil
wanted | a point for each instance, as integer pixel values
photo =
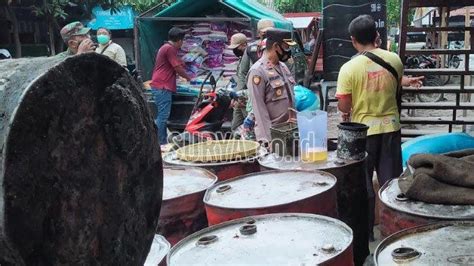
(314, 154)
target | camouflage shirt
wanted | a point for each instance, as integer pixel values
(65, 54)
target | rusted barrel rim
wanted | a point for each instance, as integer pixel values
(409, 231)
(338, 163)
(401, 197)
(225, 184)
(254, 219)
(207, 172)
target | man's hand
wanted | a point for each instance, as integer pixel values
(346, 117)
(86, 46)
(415, 82)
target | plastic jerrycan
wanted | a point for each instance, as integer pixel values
(312, 129)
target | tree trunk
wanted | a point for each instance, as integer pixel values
(81, 171)
(16, 31)
(52, 44)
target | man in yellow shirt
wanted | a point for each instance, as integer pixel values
(368, 92)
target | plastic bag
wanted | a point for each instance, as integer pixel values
(305, 99)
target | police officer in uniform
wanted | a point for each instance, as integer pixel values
(270, 84)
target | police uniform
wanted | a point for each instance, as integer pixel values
(271, 90)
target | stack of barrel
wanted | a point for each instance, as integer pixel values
(419, 233)
(291, 215)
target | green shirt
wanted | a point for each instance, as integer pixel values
(65, 54)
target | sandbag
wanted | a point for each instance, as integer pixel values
(440, 179)
(81, 170)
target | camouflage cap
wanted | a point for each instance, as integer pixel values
(73, 29)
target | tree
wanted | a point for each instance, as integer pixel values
(51, 11)
(394, 12)
(286, 6)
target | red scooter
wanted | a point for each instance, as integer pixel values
(208, 114)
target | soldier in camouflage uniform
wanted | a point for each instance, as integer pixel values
(77, 38)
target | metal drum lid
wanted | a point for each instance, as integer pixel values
(272, 239)
(274, 161)
(392, 197)
(181, 181)
(270, 188)
(444, 243)
(158, 251)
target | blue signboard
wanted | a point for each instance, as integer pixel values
(120, 20)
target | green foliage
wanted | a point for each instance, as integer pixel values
(393, 12)
(286, 6)
(52, 9)
(394, 8)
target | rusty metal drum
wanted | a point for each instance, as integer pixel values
(351, 192)
(398, 213)
(272, 239)
(158, 251)
(223, 170)
(442, 243)
(182, 211)
(271, 192)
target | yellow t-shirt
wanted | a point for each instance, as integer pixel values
(373, 90)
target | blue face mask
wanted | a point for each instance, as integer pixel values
(103, 39)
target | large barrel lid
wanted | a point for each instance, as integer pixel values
(181, 181)
(444, 243)
(172, 159)
(158, 251)
(391, 196)
(269, 188)
(272, 239)
(277, 162)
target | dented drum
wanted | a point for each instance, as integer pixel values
(443, 243)
(351, 192)
(182, 211)
(398, 213)
(273, 239)
(271, 192)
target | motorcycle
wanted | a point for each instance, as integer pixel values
(427, 62)
(207, 116)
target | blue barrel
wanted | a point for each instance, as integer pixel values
(436, 143)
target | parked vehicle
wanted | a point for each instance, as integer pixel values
(208, 114)
(427, 62)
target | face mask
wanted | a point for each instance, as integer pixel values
(103, 39)
(238, 52)
(283, 57)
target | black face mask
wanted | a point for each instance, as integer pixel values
(283, 57)
(238, 52)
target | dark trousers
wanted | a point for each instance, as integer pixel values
(238, 117)
(385, 157)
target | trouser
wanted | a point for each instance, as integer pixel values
(162, 100)
(238, 117)
(385, 157)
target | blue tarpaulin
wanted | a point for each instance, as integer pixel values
(121, 20)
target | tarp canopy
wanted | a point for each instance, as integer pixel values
(153, 29)
(121, 20)
(301, 22)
